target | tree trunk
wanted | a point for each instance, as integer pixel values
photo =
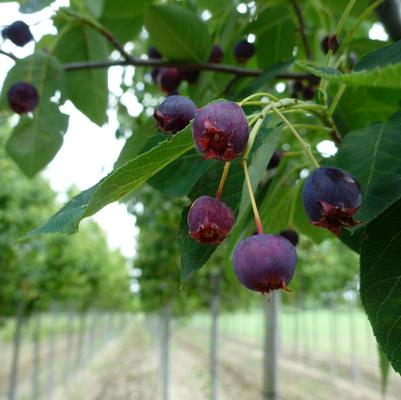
(50, 356)
(214, 336)
(271, 389)
(165, 352)
(36, 358)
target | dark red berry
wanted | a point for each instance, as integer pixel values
(190, 75)
(18, 32)
(290, 235)
(331, 197)
(275, 160)
(308, 92)
(22, 97)
(329, 42)
(209, 220)
(265, 262)
(174, 114)
(154, 53)
(216, 55)
(169, 79)
(243, 51)
(155, 74)
(220, 130)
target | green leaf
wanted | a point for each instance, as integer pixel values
(117, 184)
(178, 33)
(380, 68)
(381, 281)
(384, 365)
(87, 89)
(31, 6)
(35, 141)
(373, 156)
(123, 18)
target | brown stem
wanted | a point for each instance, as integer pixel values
(301, 21)
(12, 56)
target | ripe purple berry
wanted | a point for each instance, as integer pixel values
(174, 114)
(275, 160)
(330, 42)
(154, 53)
(265, 262)
(169, 79)
(308, 92)
(220, 130)
(216, 55)
(18, 32)
(243, 51)
(22, 97)
(209, 220)
(291, 236)
(331, 197)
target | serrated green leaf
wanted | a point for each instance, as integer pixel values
(381, 281)
(178, 33)
(380, 68)
(117, 184)
(373, 156)
(87, 89)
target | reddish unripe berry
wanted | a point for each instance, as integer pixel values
(18, 32)
(330, 42)
(174, 114)
(209, 220)
(169, 79)
(154, 53)
(331, 197)
(265, 262)
(220, 131)
(22, 97)
(243, 51)
(216, 55)
(290, 235)
(275, 160)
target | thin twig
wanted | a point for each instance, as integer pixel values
(301, 21)
(12, 56)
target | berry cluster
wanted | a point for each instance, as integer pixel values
(170, 78)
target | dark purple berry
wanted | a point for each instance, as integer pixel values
(243, 51)
(308, 92)
(209, 220)
(331, 198)
(290, 235)
(169, 79)
(216, 55)
(154, 53)
(297, 86)
(275, 160)
(265, 262)
(329, 42)
(174, 114)
(22, 97)
(155, 74)
(18, 32)
(220, 131)
(190, 75)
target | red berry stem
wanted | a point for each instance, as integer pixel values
(223, 180)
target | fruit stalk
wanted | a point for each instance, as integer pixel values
(223, 180)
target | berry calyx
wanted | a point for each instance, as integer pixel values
(18, 32)
(220, 131)
(169, 79)
(216, 55)
(291, 236)
(330, 42)
(174, 113)
(274, 160)
(331, 197)
(243, 51)
(265, 262)
(22, 97)
(209, 220)
(154, 53)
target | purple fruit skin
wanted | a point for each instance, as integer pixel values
(22, 97)
(19, 33)
(154, 53)
(220, 131)
(216, 55)
(174, 113)
(330, 42)
(169, 79)
(290, 235)
(243, 51)
(209, 220)
(332, 186)
(265, 262)
(308, 93)
(275, 160)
